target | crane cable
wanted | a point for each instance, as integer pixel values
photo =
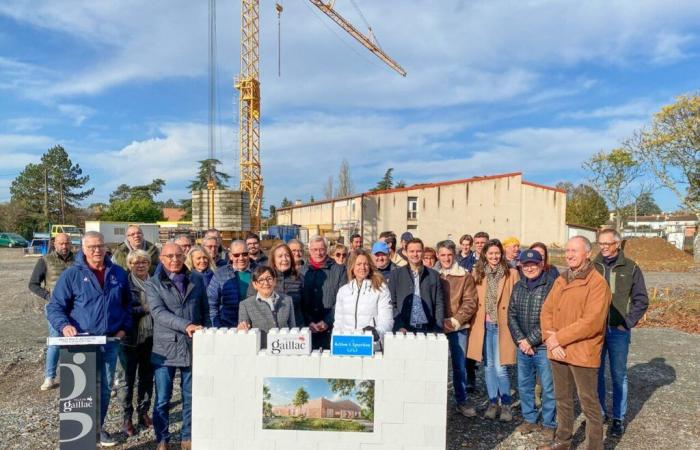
(212, 85)
(369, 27)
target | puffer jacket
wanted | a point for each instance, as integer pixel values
(172, 312)
(357, 307)
(224, 298)
(80, 301)
(459, 290)
(320, 289)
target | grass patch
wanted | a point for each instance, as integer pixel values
(304, 423)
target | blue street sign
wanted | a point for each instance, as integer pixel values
(352, 345)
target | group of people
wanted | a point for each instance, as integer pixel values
(497, 304)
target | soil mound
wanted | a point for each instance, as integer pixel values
(656, 254)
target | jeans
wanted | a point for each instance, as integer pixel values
(52, 352)
(164, 376)
(137, 359)
(109, 353)
(584, 381)
(615, 347)
(528, 369)
(496, 375)
(457, 341)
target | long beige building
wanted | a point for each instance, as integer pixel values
(502, 205)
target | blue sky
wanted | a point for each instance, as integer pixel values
(284, 389)
(492, 87)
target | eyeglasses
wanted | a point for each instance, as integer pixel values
(94, 248)
(266, 280)
(341, 255)
(135, 234)
(174, 256)
(238, 255)
(141, 263)
(606, 244)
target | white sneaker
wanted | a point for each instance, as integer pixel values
(49, 383)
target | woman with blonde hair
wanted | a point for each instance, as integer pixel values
(364, 303)
(339, 253)
(199, 260)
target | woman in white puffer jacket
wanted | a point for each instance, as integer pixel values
(364, 302)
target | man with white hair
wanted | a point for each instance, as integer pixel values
(44, 277)
(572, 322)
(322, 281)
(134, 241)
(93, 297)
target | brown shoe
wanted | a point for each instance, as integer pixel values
(145, 421)
(555, 445)
(548, 433)
(186, 445)
(128, 427)
(162, 446)
(506, 414)
(491, 411)
(527, 428)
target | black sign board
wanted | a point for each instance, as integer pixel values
(79, 402)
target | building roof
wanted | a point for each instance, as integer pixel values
(173, 214)
(426, 186)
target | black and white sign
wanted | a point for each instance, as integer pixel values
(79, 402)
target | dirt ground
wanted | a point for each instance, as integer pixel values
(664, 382)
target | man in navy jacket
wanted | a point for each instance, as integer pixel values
(93, 297)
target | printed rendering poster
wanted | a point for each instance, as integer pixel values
(318, 404)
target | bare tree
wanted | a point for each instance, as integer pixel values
(612, 174)
(345, 184)
(328, 188)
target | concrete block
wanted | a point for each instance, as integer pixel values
(282, 437)
(203, 342)
(385, 446)
(436, 392)
(202, 385)
(266, 365)
(417, 370)
(435, 436)
(246, 342)
(409, 391)
(408, 346)
(424, 413)
(298, 366)
(437, 348)
(402, 434)
(212, 444)
(389, 411)
(257, 444)
(341, 367)
(372, 368)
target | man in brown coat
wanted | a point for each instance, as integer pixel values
(573, 326)
(460, 304)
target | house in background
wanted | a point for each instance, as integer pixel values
(321, 408)
(678, 229)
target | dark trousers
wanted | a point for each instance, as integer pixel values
(471, 373)
(584, 380)
(137, 359)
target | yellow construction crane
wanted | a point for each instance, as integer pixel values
(248, 83)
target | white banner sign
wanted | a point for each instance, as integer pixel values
(77, 340)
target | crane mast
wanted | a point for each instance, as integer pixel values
(248, 83)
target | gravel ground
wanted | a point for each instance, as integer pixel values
(664, 392)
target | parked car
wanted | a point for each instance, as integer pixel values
(12, 240)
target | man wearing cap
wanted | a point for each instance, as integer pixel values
(380, 255)
(524, 310)
(511, 248)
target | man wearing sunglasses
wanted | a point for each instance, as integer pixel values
(230, 285)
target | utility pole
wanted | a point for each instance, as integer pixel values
(46, 195)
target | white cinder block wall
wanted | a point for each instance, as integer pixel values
(229, 369)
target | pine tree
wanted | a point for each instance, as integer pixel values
(207, 168)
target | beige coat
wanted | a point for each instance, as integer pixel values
(577, 313)
(506, 347)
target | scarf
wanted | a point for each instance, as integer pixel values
(317, 264)
(531, 283)
(493, 277)
(144, 328)
(578, 274)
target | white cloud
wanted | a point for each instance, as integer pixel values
(635, 108)
(460, 52)
(77, 113)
